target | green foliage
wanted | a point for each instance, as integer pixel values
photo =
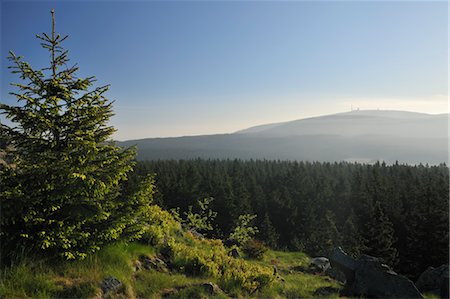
(268, 232)
(160, 224)
(292, 198)
(326, 235)
(63, 194)
(200, 221)
(254, 249)
(380, 235)
(243, 231)
(352, 240)
(194, 261)
(203, 258)
(35, 277)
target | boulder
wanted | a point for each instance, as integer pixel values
(369, 277)
(154, 263)
(336, 275)
(434, 280)
(211, 288)
(319, 264)
(110, 285)
(376, 280)
(339, 260)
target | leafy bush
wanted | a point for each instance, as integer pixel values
(243, 231)
(254, 249)
(200, 221)
(158, 226)
(210, 258)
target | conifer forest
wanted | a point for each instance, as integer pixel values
(397, 212)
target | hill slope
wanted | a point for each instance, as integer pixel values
(363, 136)
(167, 262)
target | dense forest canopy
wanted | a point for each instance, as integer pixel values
(398, 212)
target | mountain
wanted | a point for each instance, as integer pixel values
(361, 136)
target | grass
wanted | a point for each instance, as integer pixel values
(430, 296)
(81, 279)
(194, 262)
(295, 284)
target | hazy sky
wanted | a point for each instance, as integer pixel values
(185, 68)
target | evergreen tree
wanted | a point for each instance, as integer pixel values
(352, 240)
(64, 193)
(380, 235)
(296, 195)
(326, 235)
(267, 232)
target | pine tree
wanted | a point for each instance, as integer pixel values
(352, 240)
(64, 195)
(326, 235)
(380, 235)
(267, 232)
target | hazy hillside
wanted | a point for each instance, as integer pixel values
(363, 136)
(366, 122)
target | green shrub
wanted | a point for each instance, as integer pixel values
(200, 221)
(158, 226)
(243, 231)
(210, 258)
(254, 249)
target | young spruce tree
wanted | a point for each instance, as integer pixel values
(63, 195)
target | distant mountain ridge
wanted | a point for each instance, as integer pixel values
(360, 135)
(364, 122)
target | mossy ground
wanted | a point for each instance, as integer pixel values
(194, 261)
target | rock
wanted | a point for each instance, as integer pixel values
(445, 286)
(336, 275)
(235, 253)
(376, 280)
(339, 260)
(325, 291)
(154, 263)
(368, 277)
(110, 284)
(433, 280)
(320, 264)
(211, 288)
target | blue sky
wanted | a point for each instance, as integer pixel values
(186, 68)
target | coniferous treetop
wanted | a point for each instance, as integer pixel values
(64, 194)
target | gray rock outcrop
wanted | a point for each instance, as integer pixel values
(369, 277)
(154, 263)
(320, 264)
(434, 280)
(211, 288)
(110, 285)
